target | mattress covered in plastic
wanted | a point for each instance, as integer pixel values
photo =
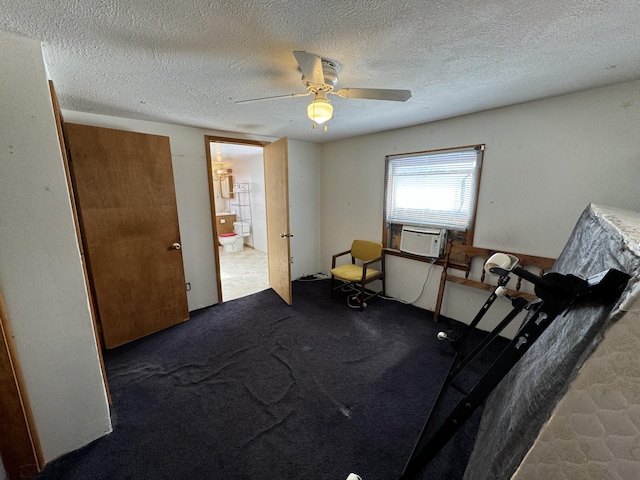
(546, 381)
(594, 432)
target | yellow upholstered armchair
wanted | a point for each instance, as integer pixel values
(359, 273)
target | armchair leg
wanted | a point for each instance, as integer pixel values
(332, 285)
(362, 296)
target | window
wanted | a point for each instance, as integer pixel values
(434, 188)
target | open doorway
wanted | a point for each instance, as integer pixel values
(236, 179)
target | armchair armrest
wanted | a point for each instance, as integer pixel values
(334, 257)
(374, 260)
(366, 264)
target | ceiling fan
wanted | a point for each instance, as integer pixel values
(320, 76)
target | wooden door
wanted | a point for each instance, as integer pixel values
(129, 221)
(276, 186)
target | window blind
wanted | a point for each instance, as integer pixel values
(433, 188)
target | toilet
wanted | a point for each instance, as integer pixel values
(234, 242)
(242, 228)
(231, 241)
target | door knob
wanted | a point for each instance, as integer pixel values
(176, 246)
(286, 235)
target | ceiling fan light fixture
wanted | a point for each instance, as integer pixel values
(320, 110)
(320, 77)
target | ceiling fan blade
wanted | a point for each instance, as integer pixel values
(375, 94)
(310, 66)
(291, 95)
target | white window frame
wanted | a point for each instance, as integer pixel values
(435, 188)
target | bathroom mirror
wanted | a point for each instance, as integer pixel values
(226, 186)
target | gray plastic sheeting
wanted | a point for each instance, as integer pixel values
(515, 412)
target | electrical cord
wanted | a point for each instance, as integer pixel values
(354, 300)
(313, 277)
(426, 280)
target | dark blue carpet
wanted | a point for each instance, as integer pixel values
(255, 389)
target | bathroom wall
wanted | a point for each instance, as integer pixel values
(222, 204)
(258, 206)
(250, 170)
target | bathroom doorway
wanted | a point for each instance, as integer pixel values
(236, 179)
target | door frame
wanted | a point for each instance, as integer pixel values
(97, 332)
(20, 447)
(208, 140)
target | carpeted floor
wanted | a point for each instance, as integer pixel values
(255, 389)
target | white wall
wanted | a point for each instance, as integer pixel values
(544, 162)
(41, 275)
(304, 211)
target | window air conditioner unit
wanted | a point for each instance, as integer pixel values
(426, 242)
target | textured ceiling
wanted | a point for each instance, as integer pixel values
(187, 62)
